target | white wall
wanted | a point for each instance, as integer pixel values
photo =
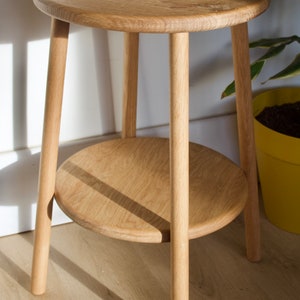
(92, 102)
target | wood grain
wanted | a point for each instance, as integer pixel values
(134, 202)
(246, 137)
(179, 164)
(49, 153)
(124, 188)
(86, 265)
(130, 84)
(159, 16)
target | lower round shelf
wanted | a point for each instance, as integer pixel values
(121, 188)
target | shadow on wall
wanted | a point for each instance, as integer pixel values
(20, 22)
(15, 180)
(18, 188)
(21, 25)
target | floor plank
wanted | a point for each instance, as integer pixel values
(85, 265)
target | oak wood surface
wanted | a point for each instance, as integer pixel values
(86, 265)
(179, 164)
(159, 15)
(49, 153)
(130, 84)
(134, 202)
(122, 188)
(240, 46)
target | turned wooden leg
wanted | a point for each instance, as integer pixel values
(48, 162)
(179, 164)
(130, 82)
(246, 137)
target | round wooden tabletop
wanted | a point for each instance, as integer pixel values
(154, 15)
(121, 188)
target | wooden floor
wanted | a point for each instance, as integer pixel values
(85, 265)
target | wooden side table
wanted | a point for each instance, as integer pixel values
(149, 189)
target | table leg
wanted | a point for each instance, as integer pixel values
(49, 153)
(179, 164)
(246, 137)
(130, 82)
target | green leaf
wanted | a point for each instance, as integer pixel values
(256, 68)
(268, 43)
(229, 90)
(276, 46)
(273, 51)
(292, 70)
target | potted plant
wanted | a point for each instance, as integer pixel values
(278, 148)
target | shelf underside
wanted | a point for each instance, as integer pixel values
(121, 188)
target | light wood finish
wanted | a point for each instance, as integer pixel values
(86, 265)
(49, 153)
(154, 15)
(179, 164)
(134, 203)
(133, 189)
(246, 136)
(130, 84)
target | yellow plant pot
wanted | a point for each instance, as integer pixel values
(278, 158)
